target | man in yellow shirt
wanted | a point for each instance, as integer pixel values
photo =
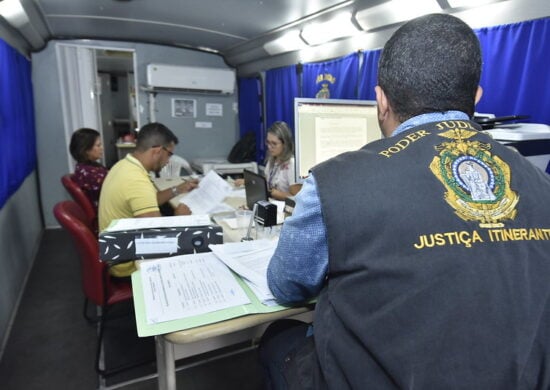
(128, 191)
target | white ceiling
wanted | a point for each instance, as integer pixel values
(236, 29)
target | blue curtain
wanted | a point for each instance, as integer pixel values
(250, 111)
(281, 87)
(515, 77)
(336, 79)
(18, 145)
(369, 74)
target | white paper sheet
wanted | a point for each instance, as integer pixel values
(188, 285)
(208, 197)
(119, 225)
(249, 259)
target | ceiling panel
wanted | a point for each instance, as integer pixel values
(207, 21)
(237, 29)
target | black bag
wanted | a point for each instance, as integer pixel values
(244, 150)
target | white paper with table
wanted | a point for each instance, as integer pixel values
(188, 285)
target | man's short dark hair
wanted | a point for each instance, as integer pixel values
(431, 64)
(154, 134)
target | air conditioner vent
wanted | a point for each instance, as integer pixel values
(191, 79)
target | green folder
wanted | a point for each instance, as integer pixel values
(144, 329)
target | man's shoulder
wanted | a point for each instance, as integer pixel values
(122, 175)
(127, 166)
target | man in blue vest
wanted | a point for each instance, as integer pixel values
(429, 250)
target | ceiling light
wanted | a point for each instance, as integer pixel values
(395, 11)
(290, 41)
(13, 12)
(338, 27)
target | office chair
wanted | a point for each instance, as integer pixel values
(99, 287)
(80, 197)
(174, 166)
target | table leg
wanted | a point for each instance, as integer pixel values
(166, 366)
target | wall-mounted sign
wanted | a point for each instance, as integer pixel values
(184, 108)
(214, 109)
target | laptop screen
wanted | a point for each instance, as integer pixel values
(255, 187)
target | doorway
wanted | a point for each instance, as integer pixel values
(98, 91)
(115, 70)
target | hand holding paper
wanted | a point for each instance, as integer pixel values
(208, 197)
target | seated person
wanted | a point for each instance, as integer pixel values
(279, 171)
(175, 166)
(128, 191)
(417, 285)
(86, 148)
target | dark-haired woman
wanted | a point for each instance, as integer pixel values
(86, 148)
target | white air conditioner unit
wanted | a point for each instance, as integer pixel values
(191, 79)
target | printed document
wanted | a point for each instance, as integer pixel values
(249, 259)
(208, 197)
(189, 285)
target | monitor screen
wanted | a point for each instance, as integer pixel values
(325, 128)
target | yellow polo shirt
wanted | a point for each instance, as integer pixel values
(127, 192)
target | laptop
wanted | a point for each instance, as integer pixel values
(255, 187)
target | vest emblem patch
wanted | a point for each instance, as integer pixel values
(477, 183)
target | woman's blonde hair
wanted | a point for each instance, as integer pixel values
(281, 130)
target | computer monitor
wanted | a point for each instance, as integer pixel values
(255, 187)
(324, 128)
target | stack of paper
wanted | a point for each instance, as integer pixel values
(192, 285)
(249, 259)
(119, 225)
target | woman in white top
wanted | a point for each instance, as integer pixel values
(279, 170)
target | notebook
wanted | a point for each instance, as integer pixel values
(255, 187)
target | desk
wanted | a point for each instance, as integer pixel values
(211, 331)
(229, 235)
(532, 140)
(176, 345)
(241, 328)
(164, 183)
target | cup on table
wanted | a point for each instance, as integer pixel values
(243, 219)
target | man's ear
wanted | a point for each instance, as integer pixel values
(381, 101)
(386, 117)
(479, 94)
(157, 150)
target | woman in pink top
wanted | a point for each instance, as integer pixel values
(86, 148)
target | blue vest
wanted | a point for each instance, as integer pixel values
(439, 264)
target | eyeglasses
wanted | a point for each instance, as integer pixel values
(170, 154)
(272, 144)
